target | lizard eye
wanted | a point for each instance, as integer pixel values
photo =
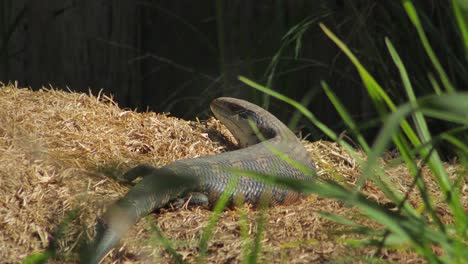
(243, 115)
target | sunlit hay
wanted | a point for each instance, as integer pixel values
(58, 148)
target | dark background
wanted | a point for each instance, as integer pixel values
(176, 56)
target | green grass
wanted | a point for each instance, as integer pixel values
(460, 11)
(406, 127)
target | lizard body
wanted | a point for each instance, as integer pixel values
(211, 175)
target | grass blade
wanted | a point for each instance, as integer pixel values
(460, 10)
(413, 16)
(218, 208)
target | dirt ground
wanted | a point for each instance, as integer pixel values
(57, 147)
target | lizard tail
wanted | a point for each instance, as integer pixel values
(152, 192)
(116, 222)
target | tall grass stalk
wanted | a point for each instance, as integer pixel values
(460, 10)
(414, 18)
(217, 210)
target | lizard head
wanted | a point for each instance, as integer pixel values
(241, 117)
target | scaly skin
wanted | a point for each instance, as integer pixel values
(211, 175)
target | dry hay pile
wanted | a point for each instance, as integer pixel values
(56, 149)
